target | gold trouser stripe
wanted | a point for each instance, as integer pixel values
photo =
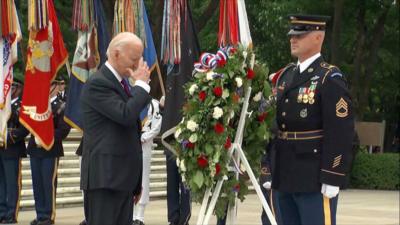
(53, 202)
(19, 188)
(272, 203)
(327, 211)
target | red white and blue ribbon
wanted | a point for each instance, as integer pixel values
(209, 61)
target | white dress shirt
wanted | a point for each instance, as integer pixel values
(306, 63)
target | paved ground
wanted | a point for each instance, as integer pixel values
(356, 207)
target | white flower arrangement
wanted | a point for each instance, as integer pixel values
(218, 112)
(239, 82)
(192, 126)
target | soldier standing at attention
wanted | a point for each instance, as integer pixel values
(10, 159)
(316, 129)
(44, 164)
(151, 122)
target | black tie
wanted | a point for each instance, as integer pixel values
(126, 87)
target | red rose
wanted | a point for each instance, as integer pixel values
(190, 145)
(219, 128)
(236, 188)
(261, 117)
(202, 96)
(217, 169)
(218, 91)
(221, 62)
(250, 74)
(228, 143)
(202, 161)
(232, 51)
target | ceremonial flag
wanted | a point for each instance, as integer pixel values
(233, 24)
(90, 53)
(45, 55)
(180, 72)
(10, 34)
(149, 52)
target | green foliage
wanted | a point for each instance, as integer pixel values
(376, 171)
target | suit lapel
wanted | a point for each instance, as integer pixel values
(306, 75)
(110, 76)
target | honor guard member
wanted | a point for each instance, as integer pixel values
(151, 126)
(316, 129)
(10, 159)
(44, 163)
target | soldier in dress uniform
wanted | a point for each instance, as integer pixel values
(10, 159)
(44, 163)
(151, 122)
(316, 129)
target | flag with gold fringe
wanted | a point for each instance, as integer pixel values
(90, 52)
(10, 35)
(46, 54)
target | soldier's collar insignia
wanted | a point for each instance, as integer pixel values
(315, 78)
(310, 70)
(303, 113)
(342, 108)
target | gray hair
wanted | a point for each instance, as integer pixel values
(120, 40)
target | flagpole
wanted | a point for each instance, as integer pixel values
(68, 66)
(160, 78)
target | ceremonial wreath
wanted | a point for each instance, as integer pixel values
(210, 117)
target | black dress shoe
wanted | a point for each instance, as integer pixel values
(137, 222)
(45, 222)
(34, 222)
(9, 220)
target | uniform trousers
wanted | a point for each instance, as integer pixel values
(178, 196)
(44, 182)
(138, 213)
(10, 187)
(307, 208)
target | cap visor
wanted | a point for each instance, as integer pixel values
(297, 32)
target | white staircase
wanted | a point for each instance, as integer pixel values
(68, 191)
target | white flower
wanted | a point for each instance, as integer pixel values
(239, 82)
(192, 89)
(225, 94)
(209, 75)
(192, 126)
(231, 115)
(177, 133)
(178, 162)
(182, 165)
(193, 138)
(257, 97)
(225, 177)
(218, 112)
(245, 54)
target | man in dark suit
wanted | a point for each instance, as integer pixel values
(316, 129)
(10, 160)
(44, 163)
(112, 153)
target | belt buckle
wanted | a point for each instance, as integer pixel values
(284, 135)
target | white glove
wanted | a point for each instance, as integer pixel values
(267, 185)
(37, 141)
(329, 191)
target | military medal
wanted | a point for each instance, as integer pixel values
(305, 98)
(311, 101)
(300, 96)
(303, 113)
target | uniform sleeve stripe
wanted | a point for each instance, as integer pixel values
(339, 174)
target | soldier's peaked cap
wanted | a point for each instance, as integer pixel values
(301, 24)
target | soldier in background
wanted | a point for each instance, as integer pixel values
(10, 159)
(151, 122)
(44, 163)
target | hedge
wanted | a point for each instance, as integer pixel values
(376, 171)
